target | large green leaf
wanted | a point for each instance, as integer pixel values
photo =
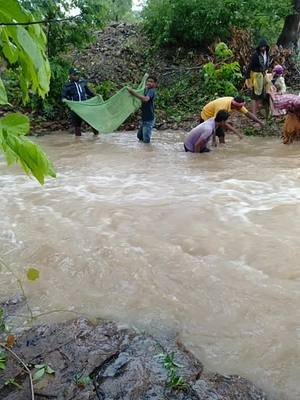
(38, 374)
(3, 95)
(17, 148)
(35, 67)
(17, 124)
(10, 51)
(28, 45)
(25, 45)
(12, 10)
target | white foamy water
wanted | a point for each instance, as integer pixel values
(204, 245)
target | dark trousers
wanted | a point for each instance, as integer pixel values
(77, 122)
(205, 150)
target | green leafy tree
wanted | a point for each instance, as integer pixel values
(64, 33)
(23, 48)
(72, 31)
(222, 76)
(199, 22)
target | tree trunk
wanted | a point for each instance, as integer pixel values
(290, 34)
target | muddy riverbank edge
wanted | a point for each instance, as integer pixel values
(108, 360)
(271, 129)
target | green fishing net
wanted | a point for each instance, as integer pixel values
(106, 116)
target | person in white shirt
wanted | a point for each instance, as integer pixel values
(199, 137)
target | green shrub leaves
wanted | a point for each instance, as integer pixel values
(25, 46)
(17, 148)
(24, 49)
(193, 23)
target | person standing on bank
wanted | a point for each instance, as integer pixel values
(76, 90)
(148, 117)
(256, 74)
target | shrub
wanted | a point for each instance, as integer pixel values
(199, 22)
(221, 77)
(106, 89)
(181, 96)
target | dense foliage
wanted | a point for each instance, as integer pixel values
(23, 47)
(118, 8)
(187, 91)
(74, 31)
(79, 29)
(199, 22)
(222, 77)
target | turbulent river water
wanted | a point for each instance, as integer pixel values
(206, 245)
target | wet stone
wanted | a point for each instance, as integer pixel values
(108, 361)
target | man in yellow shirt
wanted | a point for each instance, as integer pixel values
(229, 104)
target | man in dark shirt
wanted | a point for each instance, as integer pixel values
(76, 90)
(148, 117)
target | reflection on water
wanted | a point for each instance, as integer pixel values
(205, 245)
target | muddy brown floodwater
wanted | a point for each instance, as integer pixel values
(204, 245)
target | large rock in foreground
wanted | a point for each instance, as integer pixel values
(107, 361)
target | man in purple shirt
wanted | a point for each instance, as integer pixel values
(197, 140)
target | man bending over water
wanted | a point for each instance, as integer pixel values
(197, 140)
(229, 104)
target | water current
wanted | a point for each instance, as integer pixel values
(206, 245)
